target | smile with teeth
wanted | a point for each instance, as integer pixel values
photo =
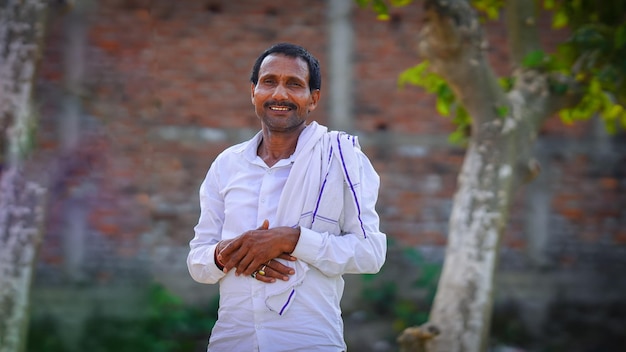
(279, 108)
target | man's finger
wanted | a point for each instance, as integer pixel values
(231, 254)
(282, 270)
(246, 266)
(265, 225)
(235, 244)
(229, 248)
(270, 274)
(288, 257)
(265, 278)
(279, 274)
(223, 255)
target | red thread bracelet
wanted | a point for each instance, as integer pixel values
(218, 263)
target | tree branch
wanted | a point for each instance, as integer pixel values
(452, 40)
(521, 25)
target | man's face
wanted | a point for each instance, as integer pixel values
(282, 98)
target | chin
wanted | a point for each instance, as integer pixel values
(282, 124)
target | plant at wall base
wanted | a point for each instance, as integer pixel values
(380, 292)
(508, 327)
(168, 326)
(43, 335)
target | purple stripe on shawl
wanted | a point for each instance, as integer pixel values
(287, 303)
(319, 196)
(327, 219)
(356, 200)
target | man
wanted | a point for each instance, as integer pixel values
(284, 216)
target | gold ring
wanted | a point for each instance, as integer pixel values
(262, 271)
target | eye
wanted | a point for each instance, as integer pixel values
(268, 81)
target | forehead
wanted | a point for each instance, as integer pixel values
(282, 65)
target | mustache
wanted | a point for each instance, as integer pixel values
(286, 104)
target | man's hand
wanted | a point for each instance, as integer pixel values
(254, 249)
(273, 270)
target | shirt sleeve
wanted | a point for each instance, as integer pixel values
(200, 261)
(352, 251)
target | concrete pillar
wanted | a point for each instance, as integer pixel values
(341, 42)
(69, 130)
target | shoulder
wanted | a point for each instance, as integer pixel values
(232, 155)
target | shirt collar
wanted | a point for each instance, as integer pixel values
(249, 149)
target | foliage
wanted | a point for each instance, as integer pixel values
(44, 335)
(446, 102)
(489, 9)
(576, 326)
(381, 7)
(594, 53)
(169, 325)
(507, 326)
(385, 299)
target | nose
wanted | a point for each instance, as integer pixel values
(280, 92)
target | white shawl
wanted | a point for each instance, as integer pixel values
(326, 165)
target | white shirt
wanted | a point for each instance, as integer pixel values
(238, 193)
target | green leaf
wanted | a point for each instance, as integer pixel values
(613, 112)
(548, 4)
(619, 41)
(534, 59)
(457, 137)
(491, 8)
(566, 116)
(502, 111)
(445, 93)
(492, 13)
(443, 107)
(560, 19)
(413, 75)
(506, 83)
(380, 8)
(400, 3)
(558, 88)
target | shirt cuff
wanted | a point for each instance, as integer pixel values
(308, 246)
(202, 266)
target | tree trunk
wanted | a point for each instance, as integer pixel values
(462, 307)
(498, 159)
(21, 198)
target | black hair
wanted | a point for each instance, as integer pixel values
(291, 50)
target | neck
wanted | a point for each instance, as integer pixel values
(275, 147)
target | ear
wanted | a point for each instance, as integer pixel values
(315, 98)
(252, 85)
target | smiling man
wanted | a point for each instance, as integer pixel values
(284, 216)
